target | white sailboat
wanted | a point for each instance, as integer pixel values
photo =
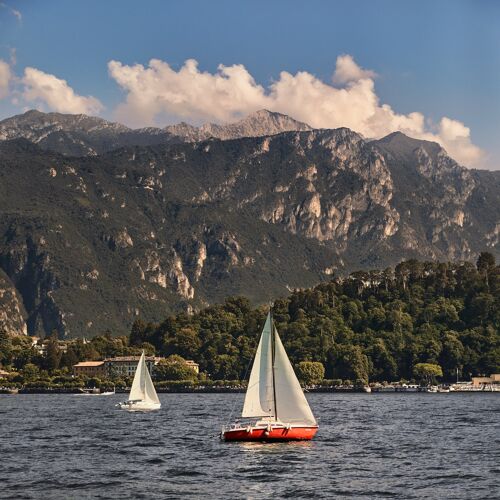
(142, 395)
(274, 396)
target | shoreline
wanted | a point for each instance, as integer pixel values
(225, 390)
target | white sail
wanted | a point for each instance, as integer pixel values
(259, 400)
(149, 388)
(291, 404)
(142, 386)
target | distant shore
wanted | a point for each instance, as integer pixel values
(223, 390)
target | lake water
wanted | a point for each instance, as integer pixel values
(434, 446)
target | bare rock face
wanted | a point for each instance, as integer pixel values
(12, 312)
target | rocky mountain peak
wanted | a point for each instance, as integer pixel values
(35, 125)
(260, 123)
(404, 146)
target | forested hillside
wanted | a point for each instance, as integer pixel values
(374, 325)
(371, 326)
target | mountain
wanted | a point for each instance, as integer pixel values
(257, 124)
(76, 135)
(82, 135)
(93, 242)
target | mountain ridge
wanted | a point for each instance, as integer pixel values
(83, 135)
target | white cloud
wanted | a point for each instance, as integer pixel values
(159, 92)
(455, 137)
(186, 94)
(54, 93)
(14, 12)
(347, 70)
(5, 78)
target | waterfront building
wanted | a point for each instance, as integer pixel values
(193, 365)
(89, 369)
(121, 366)
(494, 378)
(125, 366)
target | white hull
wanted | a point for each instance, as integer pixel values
(139, 406)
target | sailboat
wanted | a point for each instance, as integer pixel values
(274, 396)
(143, 395)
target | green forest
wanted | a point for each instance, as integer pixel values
(367, 327)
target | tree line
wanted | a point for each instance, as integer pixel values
(379, 325)
(370, 326)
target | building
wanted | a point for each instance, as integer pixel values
(90, 369)
(193, 365)
(125, 366)
(40, 345)
(494, 378)
(122, 366)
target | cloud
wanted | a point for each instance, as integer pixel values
(347, 70)
(14, 12)
(5, 78)
(55, 94)
(455, 137)
(160, 93)
(186, 94)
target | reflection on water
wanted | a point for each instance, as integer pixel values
(405, 446)
(272, 448)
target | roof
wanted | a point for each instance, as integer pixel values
(89, 363)
(124, 359)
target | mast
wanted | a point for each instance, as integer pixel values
(273, 354)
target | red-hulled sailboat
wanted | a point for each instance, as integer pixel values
(274, 396)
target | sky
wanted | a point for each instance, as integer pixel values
(430, 69)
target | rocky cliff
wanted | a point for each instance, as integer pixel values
(12, 312)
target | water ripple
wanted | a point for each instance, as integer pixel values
(369, 446)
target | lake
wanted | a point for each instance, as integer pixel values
(405, 446)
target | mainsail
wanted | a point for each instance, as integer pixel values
(273, 389)
(142, 386)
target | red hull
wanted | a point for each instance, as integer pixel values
(275, 434)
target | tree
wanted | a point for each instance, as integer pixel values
(451, 355)
(185, 343)
(485, 261)
(137, 333)
(30, 372)
(427, 372)
(5, 348)
(485, 264)
(310, 372)
(174, 368)
(69, 358)
(384, 366)
(349, 362)
(53, 355)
